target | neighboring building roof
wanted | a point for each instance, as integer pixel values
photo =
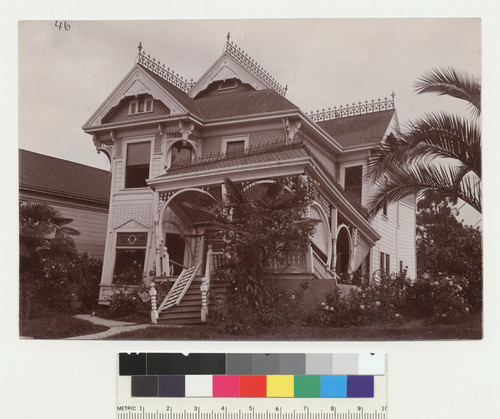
(243, 103)
(38, 172)
(358, 130)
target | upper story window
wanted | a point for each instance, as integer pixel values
(142, 104)
(234, 146)
(182, 154)
(353, 184)
(228, 84)
(137, 168)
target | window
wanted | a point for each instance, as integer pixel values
(385, 263)
(235, 148)
(182, 154)
(354, 182)
(137, 170)
(228, 84)
(130, 257)
(142, 104)
(384, 209)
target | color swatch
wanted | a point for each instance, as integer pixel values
(252, 375)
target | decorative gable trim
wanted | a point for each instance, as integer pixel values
(132, 225)
(224, 68)
(136, 82)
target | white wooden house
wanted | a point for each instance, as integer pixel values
(170, 140)
(79, 192)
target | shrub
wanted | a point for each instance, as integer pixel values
(128, 302)
(65, 282)
(276, 309)
(442, 297)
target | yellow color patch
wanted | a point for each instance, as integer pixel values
(280, 386)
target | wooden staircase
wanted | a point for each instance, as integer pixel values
(182, 304)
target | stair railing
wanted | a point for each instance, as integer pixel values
(176, 284)
(205, 285)
(152, 296)
(213, 258)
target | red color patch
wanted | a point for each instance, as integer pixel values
(253, 386)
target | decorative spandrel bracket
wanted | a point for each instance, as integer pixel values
(106, 146)
(185, 128)
(292, 127)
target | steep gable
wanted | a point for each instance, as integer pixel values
(234, 63)
(141, 81)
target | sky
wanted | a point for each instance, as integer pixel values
(64, 75)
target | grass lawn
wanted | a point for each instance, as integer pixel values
(471, 328)
(49, 324)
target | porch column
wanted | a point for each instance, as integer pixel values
(354, 247)
(333, 230)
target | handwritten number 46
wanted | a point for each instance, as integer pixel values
(61, 25)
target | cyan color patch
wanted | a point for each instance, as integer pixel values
(334, 386)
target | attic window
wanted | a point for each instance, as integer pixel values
(140, 105)
(228, 84)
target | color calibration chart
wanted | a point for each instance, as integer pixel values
(251, 386)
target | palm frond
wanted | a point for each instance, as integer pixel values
(435, 136)
(421, 179)
(449, 82)
(233, 192)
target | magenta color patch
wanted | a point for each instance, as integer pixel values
(226, 386)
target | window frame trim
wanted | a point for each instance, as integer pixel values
(233, 139)
(135, 140)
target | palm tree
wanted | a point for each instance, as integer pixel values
(438, 153)
(42, 226)
(258, 223)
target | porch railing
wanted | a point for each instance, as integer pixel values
(321, 269)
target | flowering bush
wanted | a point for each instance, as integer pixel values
(393, 299)
(378, 301)
(126, 302)
(278, 308)
(66, 282)
(439, 296)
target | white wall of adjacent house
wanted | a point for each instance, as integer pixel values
(398, 239)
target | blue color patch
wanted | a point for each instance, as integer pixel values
(334, 386)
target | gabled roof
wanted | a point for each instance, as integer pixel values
(359, 130)
(243, 103)
(41, 173)
(182, 97)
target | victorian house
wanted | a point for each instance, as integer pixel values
(170, 140)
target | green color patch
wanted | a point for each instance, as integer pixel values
(307, 386)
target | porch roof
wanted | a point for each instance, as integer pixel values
(266, 155)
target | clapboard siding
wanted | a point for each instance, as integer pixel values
(386, 227)
(89, 219)
(407, 238)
